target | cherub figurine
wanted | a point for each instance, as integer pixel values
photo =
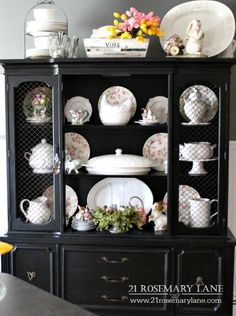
(194, 37)
(158, 217)
(84, 214)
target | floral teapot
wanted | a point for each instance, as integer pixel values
(195, 107)
(115, 114)
(37, 212)
(41, 157)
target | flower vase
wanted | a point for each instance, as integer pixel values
(116, 229)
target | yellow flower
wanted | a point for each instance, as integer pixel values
(140, 39)
(125, 35)
(123, 17)
(110, 28)
(116, 15)
(116, 22)
(143, 27)
(5, 248)
(111, 36)
(140, 33)
(159, 33)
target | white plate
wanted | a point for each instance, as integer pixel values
(77, 147)
(78, 104)
(159, 107)
(156, 149)
(217, 21)
(186, 193)
(209, 97)
(117, 95)
(146, 122)
(37, 52)
(111, 191)
(71, 200)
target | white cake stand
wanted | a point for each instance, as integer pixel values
(198, 166)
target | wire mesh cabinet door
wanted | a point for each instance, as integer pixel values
(33, 153)
(201, 139)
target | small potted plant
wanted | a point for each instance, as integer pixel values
(119, 220)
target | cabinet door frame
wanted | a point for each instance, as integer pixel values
(51, 249)
(12, 82)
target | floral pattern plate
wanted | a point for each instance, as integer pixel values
(71, 200)
(186, 193)
(159, 107)
(78, 104)
(77, 147)
(156, 149)
(209, 98)
(31, 106)
(117, 95)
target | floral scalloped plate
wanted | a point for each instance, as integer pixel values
(117, 95)
(71, 200)
(77, 147)
(156, 149)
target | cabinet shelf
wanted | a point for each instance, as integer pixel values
(135, 127)
(152, 174)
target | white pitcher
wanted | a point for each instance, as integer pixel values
(200, 215)
(37, 212)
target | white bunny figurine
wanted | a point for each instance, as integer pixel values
(194, 37)
(159, 219)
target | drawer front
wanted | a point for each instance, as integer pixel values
(98, 277)
(203, 270)
(34, 264)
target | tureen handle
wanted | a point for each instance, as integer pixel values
(118, 151)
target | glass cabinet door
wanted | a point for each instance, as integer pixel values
(33, 154)
(202, 167)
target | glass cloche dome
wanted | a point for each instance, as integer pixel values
(42, 23)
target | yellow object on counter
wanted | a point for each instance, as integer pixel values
(5, 248)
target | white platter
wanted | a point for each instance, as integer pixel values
(217, 21)
(78, 104)
(159, 107)
(118, 191)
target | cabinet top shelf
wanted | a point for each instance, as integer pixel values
(130, 61)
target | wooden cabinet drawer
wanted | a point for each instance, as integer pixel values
(34, 264)
(89, 279)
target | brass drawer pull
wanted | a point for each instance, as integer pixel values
(115, 299)
(31, 275)
(122, 260)
(121, 280)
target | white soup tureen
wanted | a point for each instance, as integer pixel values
(119, 164)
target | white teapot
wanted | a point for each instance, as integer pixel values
(41, 158)
(195, 107)
(115, 114)
(37, 212)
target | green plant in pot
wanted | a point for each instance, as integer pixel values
(119, 220)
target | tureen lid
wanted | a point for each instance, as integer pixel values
(43, 145)
(119, 160)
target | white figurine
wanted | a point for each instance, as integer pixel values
(159, 219)
(194, 37)
(71, 164)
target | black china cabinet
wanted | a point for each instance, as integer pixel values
(139, 272)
